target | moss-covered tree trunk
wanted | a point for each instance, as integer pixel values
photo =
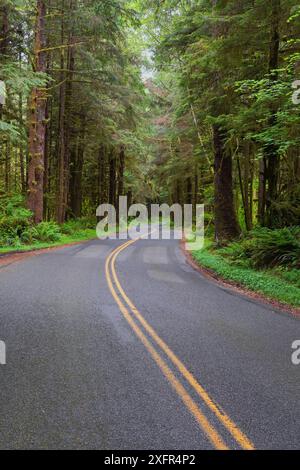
(37, 124)
(226, 225)
(272, 154)
(77, 162)
(4, 30)
(112, 177)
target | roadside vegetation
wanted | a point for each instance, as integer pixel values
(19, 233)
(263, 260)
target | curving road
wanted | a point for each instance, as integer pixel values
(113, 346)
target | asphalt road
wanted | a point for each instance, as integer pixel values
(174, 361)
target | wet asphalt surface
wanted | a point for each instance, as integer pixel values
(77, 376)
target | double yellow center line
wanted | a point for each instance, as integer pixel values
(159, 348)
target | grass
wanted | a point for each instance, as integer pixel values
(78, 236)
(71, 232)
(276, 284)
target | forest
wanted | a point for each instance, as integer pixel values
(175, 101)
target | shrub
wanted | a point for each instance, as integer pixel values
(290, 275)
(43, 232)
(16, 226)
(14, 220)
(77, 225)
(266, 248)
(277, 248)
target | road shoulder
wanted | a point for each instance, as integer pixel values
(237, 288)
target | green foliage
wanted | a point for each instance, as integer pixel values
(265, 282)
(14, 220)
(290, 275)
(43, 232)
(266, 248)
(74, 226)
(17, 229)
(214, 62)
(10, 130)
(19, 80)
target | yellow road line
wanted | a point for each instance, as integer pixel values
(237, 434)
(209, 430)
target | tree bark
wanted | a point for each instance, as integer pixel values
(226, 225)
(262, 191)
(4, 30)
(21, 148)
(112, 178)
(65, 120)
(189, 190)
(101, 174)
(76, 173)
(37, 122)
(60, 210)
(244, 180)
(7, 167)
(121, 171)
(272, 154)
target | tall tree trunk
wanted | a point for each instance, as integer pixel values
(7, 167)
(248, 193)
(262, 190)
(272, 154)
(47, 155)
(244, 180)
(189, 190)
(68, 111)
(121, 171)
(76, 174)
(196, 187)
(226, 225)
(129, 197)
(179, 191)
(37, 122)
(60, 210)
(47, 131)
(21, 150)
(101, 175)
(251, 191)
(4, 29)
(51, 169)
(68, 125)
(112, 177)
(65, 121)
